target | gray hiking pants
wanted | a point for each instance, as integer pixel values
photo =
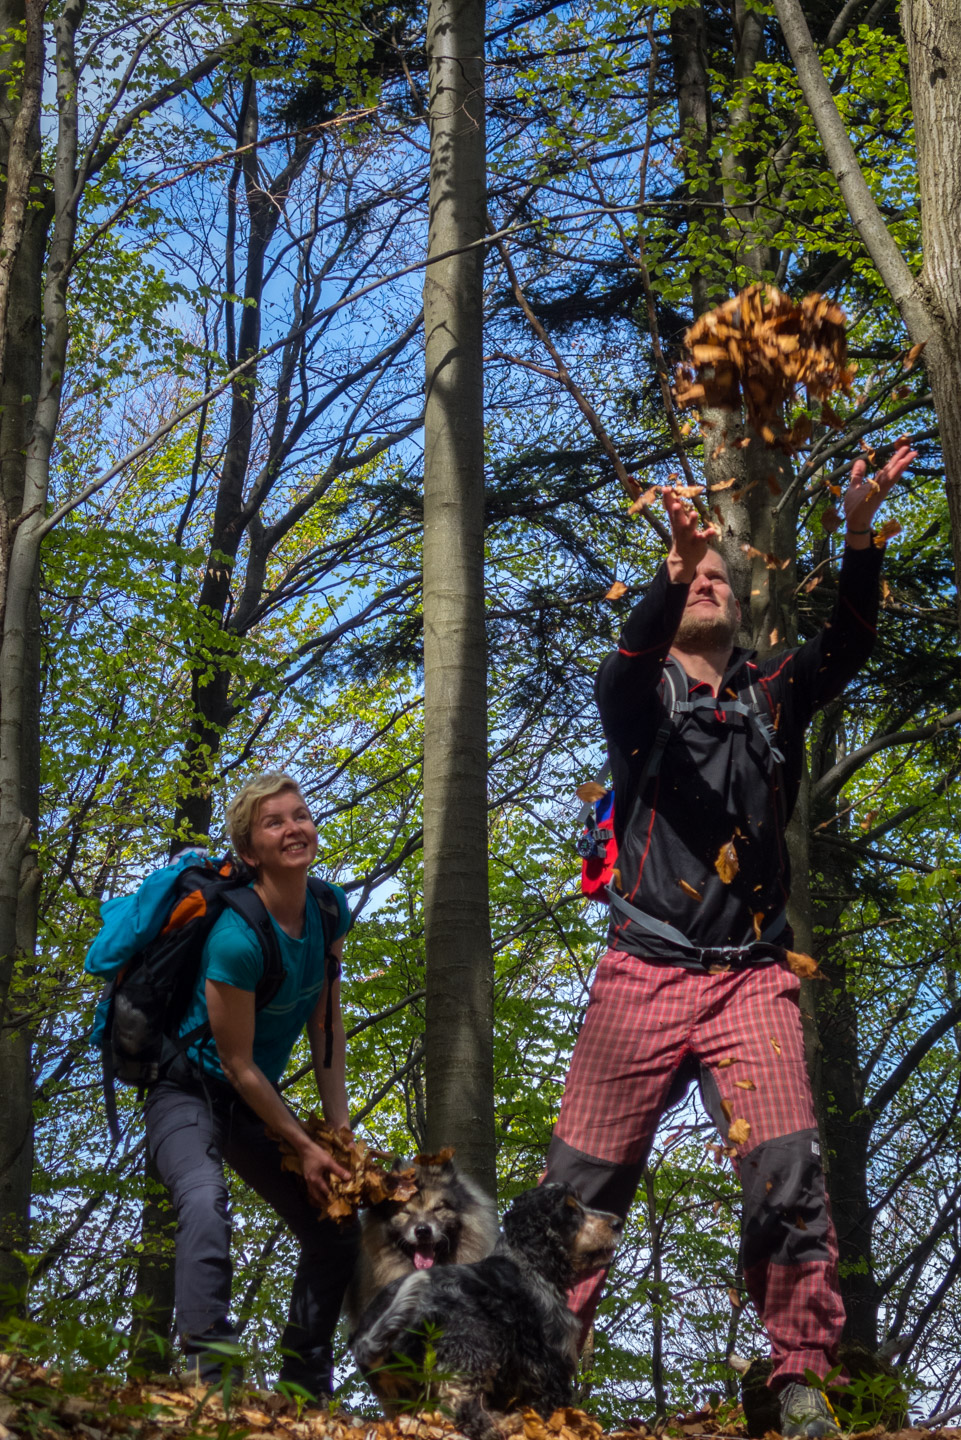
(193, 1126)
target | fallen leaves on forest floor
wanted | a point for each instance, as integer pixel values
(39, 1403)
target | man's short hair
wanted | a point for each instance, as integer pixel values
(242, 810)
(715, 549)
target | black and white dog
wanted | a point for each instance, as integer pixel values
(501, 1330)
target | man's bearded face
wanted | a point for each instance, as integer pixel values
(711, 615)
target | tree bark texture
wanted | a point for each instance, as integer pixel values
(933, 34)
(459, 1003)
(24, 225)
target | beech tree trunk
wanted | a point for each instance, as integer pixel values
(24, 226)
(459, 1003)
(933, 34)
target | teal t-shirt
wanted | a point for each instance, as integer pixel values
(232, 954)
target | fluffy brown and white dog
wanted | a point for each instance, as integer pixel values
(448, 1221)
(497, 1334)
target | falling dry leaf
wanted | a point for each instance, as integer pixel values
(689, 890)
(616, 878)
(811, 584)
(804, 966)
(735, 1299)
(869, 819)
(772, 639)
(758, 918)
(775, 1045)
(724, 485)
(799, 1222)
(728, 1109)
(885, 592)
(739, 1133)
(830, 520)
(745, 1084)
(616, 591)
(728, 1060)
(913, 355)
(727, 864)
(688, 492)
(772, 562)
(647, 498)
(590, 791)
(886, 531)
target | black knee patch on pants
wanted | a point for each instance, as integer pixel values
(601, 1184)
(785, 1210)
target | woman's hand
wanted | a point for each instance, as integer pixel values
(318, 1164)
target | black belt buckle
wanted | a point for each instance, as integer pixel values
(715, 958)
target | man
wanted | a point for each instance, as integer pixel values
(221, 1105)
(696, 971)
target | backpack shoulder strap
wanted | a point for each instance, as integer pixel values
(246, 903)
(761, 714)
(323, 893)
(672, 701)
(330, 917)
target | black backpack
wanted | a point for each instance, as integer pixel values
(143, 1004)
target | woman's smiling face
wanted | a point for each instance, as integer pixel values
(283, 837)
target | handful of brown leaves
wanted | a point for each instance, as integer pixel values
(367, 1182)
(763, 348)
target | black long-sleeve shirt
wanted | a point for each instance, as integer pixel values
(716, 782)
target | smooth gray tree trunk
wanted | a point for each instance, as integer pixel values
(459, 1004)
(24, 224)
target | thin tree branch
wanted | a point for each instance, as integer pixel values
(830, 783)
(865, 214)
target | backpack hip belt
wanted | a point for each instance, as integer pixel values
(704, 958)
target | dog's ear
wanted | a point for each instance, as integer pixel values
(439, 1167)
(400, 1164)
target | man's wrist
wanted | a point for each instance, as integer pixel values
(680, 571)
(858, 539)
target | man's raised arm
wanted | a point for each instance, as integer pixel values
(628, 677)
(818, 672)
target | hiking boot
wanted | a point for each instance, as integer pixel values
(806, 1412)
(213, 1358)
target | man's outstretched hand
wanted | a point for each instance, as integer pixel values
(864, 497)
(690, 541)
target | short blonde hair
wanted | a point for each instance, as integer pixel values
(242, 810)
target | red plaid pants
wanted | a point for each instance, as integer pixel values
(645, 1022)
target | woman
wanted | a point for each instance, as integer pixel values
(221, 1105)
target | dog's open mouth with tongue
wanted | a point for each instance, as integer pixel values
(424, 1255)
